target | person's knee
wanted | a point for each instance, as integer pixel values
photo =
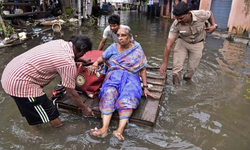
(110, 90)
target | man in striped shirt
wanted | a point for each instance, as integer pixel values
(26, 75)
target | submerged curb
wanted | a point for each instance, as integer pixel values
(232, 37)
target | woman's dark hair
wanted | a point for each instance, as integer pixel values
(181, 8)
(81, 43)
(114, 19)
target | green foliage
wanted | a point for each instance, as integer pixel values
(142, 1)
(1, 4)
(248, 91)
(9, 30)
(64, 17)
(91, 21)
(1, 8)
(1, 29)
(71, 25)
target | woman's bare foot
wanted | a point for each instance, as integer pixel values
(118, 135)
(100, 133)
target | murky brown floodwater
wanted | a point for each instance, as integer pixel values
(210, 112)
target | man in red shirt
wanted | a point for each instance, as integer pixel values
(25, 76)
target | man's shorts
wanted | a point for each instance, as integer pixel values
(37, 110)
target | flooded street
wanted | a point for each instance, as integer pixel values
(211, 112)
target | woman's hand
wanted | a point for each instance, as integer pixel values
(92, 69)
(146, 93)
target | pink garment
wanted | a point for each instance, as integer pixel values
(28, 73)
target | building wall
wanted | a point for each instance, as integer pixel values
(239, 18)
(221, 10)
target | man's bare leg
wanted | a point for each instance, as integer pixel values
(118, 133)
(105, 124)
(35, 128)
(56, 123)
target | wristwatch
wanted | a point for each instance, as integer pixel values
(144, 86)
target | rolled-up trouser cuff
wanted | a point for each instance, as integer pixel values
(177, 79)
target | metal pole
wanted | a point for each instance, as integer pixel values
(44, 7)
(172, 9)
(86, 8)
(79, 13)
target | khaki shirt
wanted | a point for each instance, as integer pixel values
(191, 33)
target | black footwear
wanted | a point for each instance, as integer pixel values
(186, 78)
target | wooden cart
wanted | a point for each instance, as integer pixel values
(145, 114)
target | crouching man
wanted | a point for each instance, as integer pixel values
(25, 76)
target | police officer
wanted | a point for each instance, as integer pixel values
(189, 31)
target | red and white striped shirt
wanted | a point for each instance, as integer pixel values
(28, 73)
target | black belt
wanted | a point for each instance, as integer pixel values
(193, 41)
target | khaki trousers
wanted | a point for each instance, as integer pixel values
(181, 50)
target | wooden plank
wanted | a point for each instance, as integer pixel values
(140, 108)
(145, 114)
(149, 114)
(156, 88)
(135, 118)
(22, 1)
(20, 4)
(154, 75)
(23, 41)
(13, 44)
(155, 81)
(19, 15)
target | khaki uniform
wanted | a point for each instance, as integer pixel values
(189, 42)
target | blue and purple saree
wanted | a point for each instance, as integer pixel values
(121, 89)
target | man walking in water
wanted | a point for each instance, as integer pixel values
(188, 30)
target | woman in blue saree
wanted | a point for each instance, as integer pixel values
(121, 89)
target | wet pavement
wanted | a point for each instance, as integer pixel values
(209, 112)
